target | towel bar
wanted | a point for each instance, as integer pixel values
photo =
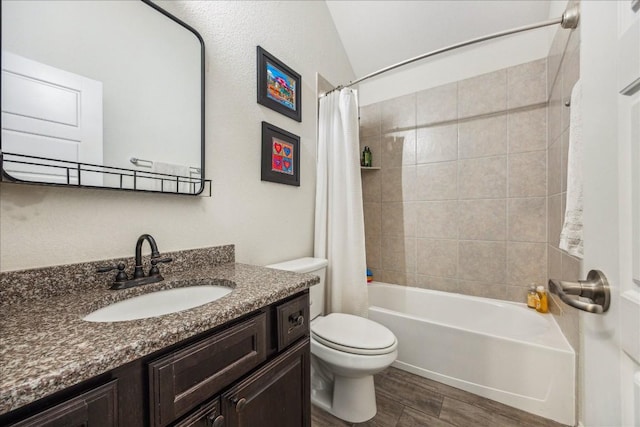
(136, 161)
(595, 288)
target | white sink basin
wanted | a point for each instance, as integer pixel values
(158, 303)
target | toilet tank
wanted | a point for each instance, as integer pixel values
(316, 266)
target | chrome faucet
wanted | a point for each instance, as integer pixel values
(122, 280)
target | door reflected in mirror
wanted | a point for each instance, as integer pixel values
(113, 86)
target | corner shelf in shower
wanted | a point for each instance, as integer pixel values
(369, 168)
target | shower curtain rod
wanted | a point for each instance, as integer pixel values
(569, 19)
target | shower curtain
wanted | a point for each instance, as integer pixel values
(339, 218)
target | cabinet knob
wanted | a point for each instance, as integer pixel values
(295, 321)
(298, 321)
(240, 403)
(215, 421)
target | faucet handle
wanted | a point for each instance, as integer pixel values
(154, 271)
(120, 277)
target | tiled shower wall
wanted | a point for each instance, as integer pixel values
(564, 71)
(460, 201)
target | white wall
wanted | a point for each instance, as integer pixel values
(458, 65)
(556, 8)
(268, 222)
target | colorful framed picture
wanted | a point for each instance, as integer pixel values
(279, 87)
(280, 155)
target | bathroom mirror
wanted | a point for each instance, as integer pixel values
(102, 94)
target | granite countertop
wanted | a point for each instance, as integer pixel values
(45, 346)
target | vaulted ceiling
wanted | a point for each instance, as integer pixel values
(376, 34)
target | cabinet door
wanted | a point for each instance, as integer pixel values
(95, 408)
(277, 395)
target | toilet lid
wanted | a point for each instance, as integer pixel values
(353, 334)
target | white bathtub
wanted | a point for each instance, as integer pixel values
(499, 350)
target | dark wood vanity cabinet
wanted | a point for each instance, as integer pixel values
(97, 407)
(276, 393)
(253, 372)
(187, 377)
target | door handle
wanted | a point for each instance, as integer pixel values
(595, 288)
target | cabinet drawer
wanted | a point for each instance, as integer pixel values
(293, 320)
(94, 408)
(185, 378)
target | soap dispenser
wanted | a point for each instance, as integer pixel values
(532, 296)
(542, 303)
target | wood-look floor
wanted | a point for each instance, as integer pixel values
(407, 400)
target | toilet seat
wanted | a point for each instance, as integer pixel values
(353, 334)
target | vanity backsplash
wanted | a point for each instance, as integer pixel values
(47, 282)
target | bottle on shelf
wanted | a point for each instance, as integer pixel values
(367, 157)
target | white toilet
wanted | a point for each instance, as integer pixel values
(346, 351)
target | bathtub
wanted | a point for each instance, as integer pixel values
(496, 349)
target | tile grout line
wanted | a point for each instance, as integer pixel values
(508, 187)
(457, 276)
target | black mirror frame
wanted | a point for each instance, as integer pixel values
(203, 182)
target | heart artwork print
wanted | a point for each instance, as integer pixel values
(282, 157)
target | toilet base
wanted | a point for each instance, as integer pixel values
(354, 399)
(350, 399)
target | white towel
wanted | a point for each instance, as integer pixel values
(571, 235)
(169, 183)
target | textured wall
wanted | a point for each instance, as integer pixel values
(459, 203)
(268, 222)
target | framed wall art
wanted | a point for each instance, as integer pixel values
(280, 155)
(279, 87)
